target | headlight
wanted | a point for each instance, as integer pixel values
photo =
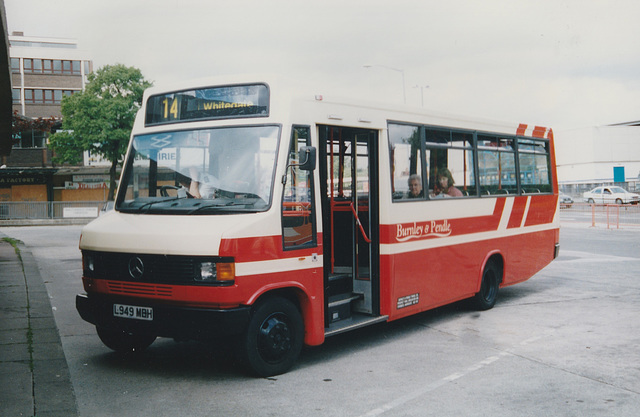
(207, 272)
(88, 262)
(216, 272)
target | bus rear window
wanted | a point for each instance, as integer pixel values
(208, 103)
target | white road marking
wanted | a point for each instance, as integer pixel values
(450, 378)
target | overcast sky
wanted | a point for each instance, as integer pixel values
(558, 63)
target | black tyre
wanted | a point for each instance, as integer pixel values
(486, 297)
(125, 342)
(619, 201)
(590, 201)
(273, 339)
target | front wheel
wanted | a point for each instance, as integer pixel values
(486, 297)
(125, 342)
(618, 201)
(273, 339)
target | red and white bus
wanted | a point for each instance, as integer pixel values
(245, 213)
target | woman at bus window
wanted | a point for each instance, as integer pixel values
(415, 187)
(444, 185)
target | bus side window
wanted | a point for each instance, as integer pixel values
(496, 165)
(533, 156)
(298, 210)
(406, 163)
(449, 153)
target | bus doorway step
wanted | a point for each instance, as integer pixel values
(339, 284)
(340, 305)
(354, 322)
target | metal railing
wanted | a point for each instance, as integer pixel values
(19, 210)
(610, 215)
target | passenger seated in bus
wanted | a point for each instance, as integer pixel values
(415, 187)
(444, 185)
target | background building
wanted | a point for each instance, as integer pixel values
(595, 156)
(43, 70)
(5, 86)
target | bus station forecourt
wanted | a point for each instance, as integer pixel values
(34, 376)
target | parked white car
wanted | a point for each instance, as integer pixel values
(610, 195)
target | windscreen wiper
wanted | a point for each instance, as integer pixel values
(217, 204)
(151, 203)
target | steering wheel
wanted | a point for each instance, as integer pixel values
(165, 193)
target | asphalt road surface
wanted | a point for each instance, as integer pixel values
(564, 343)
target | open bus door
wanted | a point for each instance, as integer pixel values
(349, 182)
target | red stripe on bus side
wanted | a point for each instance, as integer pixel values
(541, 209)
(521, 129)
(519, 204)
(539, 132)
(481, 223)
(263, 248)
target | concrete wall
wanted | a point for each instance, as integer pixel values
(589, 155)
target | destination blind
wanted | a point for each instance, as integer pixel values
(208, 103)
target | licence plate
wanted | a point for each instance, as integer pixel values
(133, 312)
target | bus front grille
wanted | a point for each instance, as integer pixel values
(133, 289)
(141, 268)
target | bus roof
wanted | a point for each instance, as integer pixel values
(291, 99)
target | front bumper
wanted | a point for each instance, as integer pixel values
(183, 323)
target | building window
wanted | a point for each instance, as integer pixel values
(48, 96)
(31, 139)
(15, 94)
(28, 65)
(15, 64)
(39, 96)
(47, 66)
(50, 66)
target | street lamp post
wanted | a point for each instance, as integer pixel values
(401, 71)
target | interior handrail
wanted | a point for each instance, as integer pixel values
(355, 215)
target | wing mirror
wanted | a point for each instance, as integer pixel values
(307, 158)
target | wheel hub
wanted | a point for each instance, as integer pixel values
(274, 339)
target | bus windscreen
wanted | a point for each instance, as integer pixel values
(208, 103)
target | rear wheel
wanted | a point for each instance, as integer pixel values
(486, 297)
(590, 201)
(125, 342)
(273, 339)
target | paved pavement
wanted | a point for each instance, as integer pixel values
(34, 378)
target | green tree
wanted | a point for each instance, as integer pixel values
(100, 118)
